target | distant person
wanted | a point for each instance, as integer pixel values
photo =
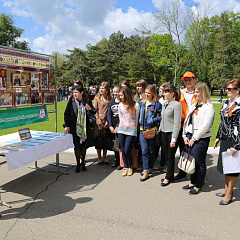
(221, 95)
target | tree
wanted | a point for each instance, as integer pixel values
(224, 59)
(170, 19)
(160, 52)
(9, 33)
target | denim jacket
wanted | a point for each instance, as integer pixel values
(151, 118)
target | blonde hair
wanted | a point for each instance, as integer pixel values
(204, 92)
(153, 91)
(106, 95)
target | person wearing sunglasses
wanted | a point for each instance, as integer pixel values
(187, 99)
(229, 135)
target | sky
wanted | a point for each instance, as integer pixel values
(59, 25)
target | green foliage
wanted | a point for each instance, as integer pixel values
(10, 33)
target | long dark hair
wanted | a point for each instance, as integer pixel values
(128, 100)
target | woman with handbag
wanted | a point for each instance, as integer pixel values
(170, 127)
(128, 112)
(150, 116)
(197, 133)
(77, 123)
(101, 103)
(113, 119)
(229, 134)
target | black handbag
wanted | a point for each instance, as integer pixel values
(91, 118)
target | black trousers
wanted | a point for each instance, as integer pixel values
(169, 154)
(181, 144)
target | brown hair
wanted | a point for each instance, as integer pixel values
(204, 92)
(235, 83)
(125, 82)
(107, 95)
(169, 87)
(128, 100)
(143, 84)
(153, 91)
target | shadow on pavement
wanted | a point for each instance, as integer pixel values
(49, 194)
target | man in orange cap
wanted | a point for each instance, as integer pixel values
(186, 100)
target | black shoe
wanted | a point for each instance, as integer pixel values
(115, 164)
(220, 194)
(119, 168)
(179, 176)
(77, 170)
(225, 203)
(100, 163)
(164, 184)
(106, 162)
(83, 166)
(188, 187)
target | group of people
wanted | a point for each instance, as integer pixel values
(180, 118)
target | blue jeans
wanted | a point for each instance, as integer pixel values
(148, 151)
(126, 144)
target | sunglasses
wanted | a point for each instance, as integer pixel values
(230, 89)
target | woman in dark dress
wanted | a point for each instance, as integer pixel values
(77, 123)
(229, 135)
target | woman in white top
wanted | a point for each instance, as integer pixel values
(197, 133)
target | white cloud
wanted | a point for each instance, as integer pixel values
(126, 22)
(75, 23)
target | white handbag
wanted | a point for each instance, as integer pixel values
(187, 161)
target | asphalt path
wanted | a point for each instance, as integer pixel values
(101, 204)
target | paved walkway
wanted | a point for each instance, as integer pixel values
(101, 204)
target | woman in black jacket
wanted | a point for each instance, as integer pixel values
(76, 118)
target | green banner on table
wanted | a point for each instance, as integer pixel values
(10, 118)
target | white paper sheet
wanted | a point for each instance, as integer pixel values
(231, 164)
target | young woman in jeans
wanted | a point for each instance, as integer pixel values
(150, 116)
(170, 127)
(197, 133)
(128, 112)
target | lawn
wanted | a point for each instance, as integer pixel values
(50, 125)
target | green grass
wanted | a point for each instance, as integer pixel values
(50, 125)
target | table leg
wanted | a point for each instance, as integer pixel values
(58, 171)
(36, 167)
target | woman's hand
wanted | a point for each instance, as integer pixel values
(191, 142)
(111, 129)
(186, 140)
(216, 143)
(172, 144)
(66, 130)
(87, 107)
(115, 130)
(233, 151)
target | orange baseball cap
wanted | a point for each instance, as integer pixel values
(188, 75)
